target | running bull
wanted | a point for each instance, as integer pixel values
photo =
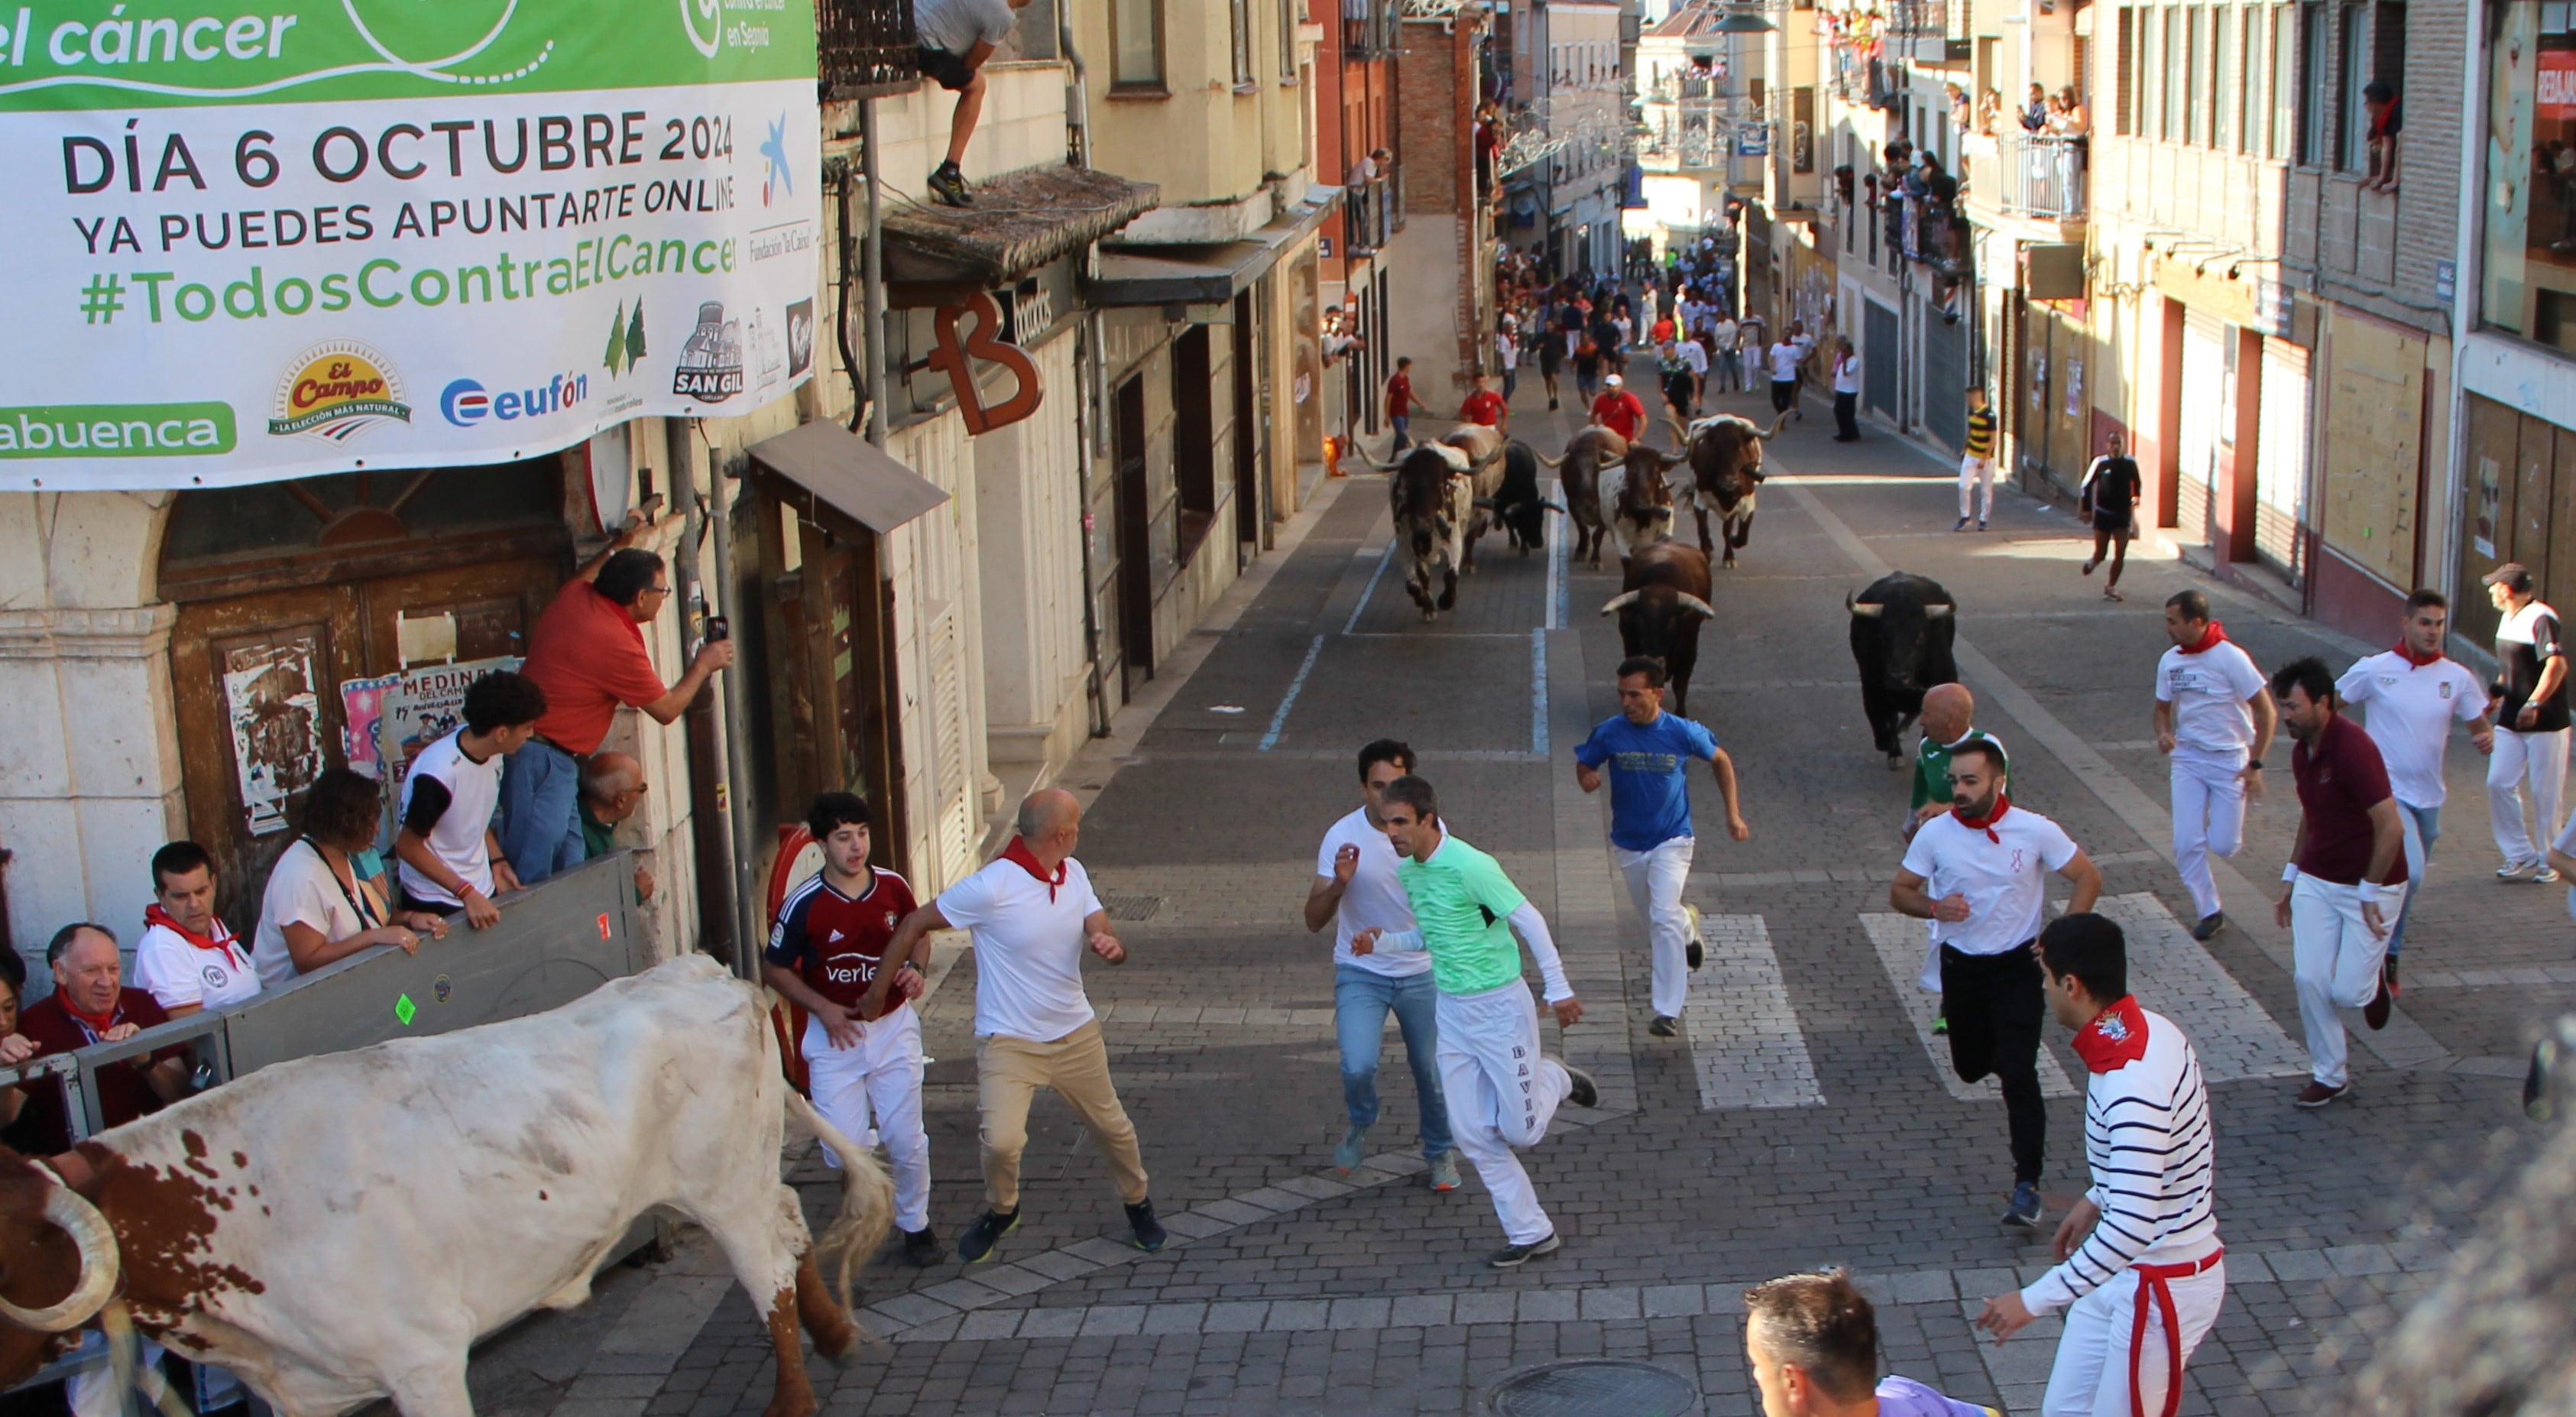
(1481, 464)
(1432, 499)
(342, 1228)
(1902, 630)
(1517, 505)
(1662, 602)
(1616, 491)
(1725, 454)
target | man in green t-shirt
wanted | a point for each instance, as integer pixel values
(1502, 1091)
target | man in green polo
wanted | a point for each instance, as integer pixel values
(1502, 1091)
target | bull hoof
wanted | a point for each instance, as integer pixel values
(1448, 600)
(1430, 615)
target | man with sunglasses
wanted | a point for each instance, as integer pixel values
(588, 655)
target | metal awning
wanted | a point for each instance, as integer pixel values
(1208, 274)
(849, 474)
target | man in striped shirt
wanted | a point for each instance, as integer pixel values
(1977, 465)
(2140, 1269)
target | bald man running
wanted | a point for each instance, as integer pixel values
(1033, 915)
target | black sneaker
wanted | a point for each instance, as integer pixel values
(948, 184)
(1514, 1256)
(1148, 1233)
(921, 1248)
(1582, 1093)
(2375, 1013)
(984, 1234)
(2209, 926)
(1695, 954)
(2388, 976)
(1664, 1026)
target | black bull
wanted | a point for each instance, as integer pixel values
(1902, 630)
(1517, 504)
(1662, 602)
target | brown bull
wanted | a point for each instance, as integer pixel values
(1637, 500)
(1579, 470)
(1661, 605)
(1726, 472)
(1430, 500)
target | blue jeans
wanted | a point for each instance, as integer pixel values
(2423, 828)
(541, 812)
(1361, 1000)
(1403, 432)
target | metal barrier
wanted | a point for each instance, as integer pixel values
(555, 942)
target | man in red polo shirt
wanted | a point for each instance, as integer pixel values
(588, 656)
(1484, 405)
(90, 1004)
(1618, 410)
(2347, 873)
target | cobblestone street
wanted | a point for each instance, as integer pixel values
(1807, 1117)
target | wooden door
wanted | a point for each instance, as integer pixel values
(1135, 540)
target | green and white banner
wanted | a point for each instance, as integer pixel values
(243, 246)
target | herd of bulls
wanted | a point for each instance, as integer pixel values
(1447, 494)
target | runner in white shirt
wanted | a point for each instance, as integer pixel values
(2531, 723)
(449, 850)
(1724, 360)
(2214, 717)
(1356, 889)
(1979, 874)
(188, 958)
(2140, 1272)
(2410, 697)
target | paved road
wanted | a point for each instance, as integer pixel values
(1806, 1118)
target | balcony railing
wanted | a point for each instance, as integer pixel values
(865, 48)
(2043, 174)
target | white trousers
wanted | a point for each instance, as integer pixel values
(1502, 1093)
(1655, 882)
(2335, 958)
(1977, 475)
(873, 1094)
(2091, 1378)
(2208, 820)
(2536, 760)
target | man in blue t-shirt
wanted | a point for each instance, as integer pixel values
(1649, 753)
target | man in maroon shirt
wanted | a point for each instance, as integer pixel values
(2347, 872)
(90, 1004)
(1399, 403)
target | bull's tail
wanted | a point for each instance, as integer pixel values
(867, 1201)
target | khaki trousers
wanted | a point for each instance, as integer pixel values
(1008, 1073)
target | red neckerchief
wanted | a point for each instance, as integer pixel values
(1985, 823)
(155, 915)
(2208, 640)
(1018, 852)
(96, 1026)
(2115, 1038)
(2409, 656)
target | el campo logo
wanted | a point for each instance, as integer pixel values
(336, 390)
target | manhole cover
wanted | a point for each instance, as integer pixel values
(1132, 907)
(1594, 1389)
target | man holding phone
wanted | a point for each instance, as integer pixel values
(588, 655)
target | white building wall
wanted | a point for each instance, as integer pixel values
(1029, 554)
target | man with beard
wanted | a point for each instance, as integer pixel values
(1978, 873)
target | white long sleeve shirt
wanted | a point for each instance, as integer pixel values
(2148, 1140)
(1527, 923)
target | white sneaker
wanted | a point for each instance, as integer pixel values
(2524, 872)
(2545, 876)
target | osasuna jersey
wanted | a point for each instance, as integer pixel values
(835, 942)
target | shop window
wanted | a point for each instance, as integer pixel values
(2529, 231)
(2222, 95)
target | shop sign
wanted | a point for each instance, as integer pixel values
(955, 356)
(387, 235)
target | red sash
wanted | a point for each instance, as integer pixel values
(2154, 1283)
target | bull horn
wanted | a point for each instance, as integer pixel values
(1551, 506)
(1620, 602)
(1775, 425)
(1371, 458)
(1696, 606)
(1939, 612)
(1681, 435)
(1558, 461)
(1862, 608)
(79, 1219)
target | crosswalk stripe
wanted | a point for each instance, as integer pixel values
(1899, 942)
(1744, 1037)
(2172, 974)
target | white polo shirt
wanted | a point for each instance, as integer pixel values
(2208, 691)
(1374, 899)
(1028, 948)
(178, 972)
(1694, 358)
(449, 799)
(2411, 710)
(2004, 877)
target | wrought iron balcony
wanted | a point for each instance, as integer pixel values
(2032, 174)
(865, 48)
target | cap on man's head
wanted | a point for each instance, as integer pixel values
(1614, 381)
(2512, 576)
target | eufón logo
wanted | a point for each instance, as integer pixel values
(336, 390)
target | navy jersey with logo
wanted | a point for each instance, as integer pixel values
(835, 942)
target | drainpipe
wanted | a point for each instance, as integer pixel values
(743, 851)
(1087, 406)
(872, 280)
(710, 726)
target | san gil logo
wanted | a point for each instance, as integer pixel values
(466, 402)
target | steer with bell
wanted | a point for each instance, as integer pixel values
(342, 1228)
(1902, 631)
(1661, 604)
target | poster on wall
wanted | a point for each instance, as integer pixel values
(276, 720)
(2074, 387)
(419, 707)
(362, 703)
(383, 235)
(2490, 507)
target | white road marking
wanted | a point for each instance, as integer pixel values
(2172, 974)
(1899, 942)
(1538, 691)
(1371, 588)
(1744, 1037)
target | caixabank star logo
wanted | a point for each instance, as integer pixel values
(337, 390)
